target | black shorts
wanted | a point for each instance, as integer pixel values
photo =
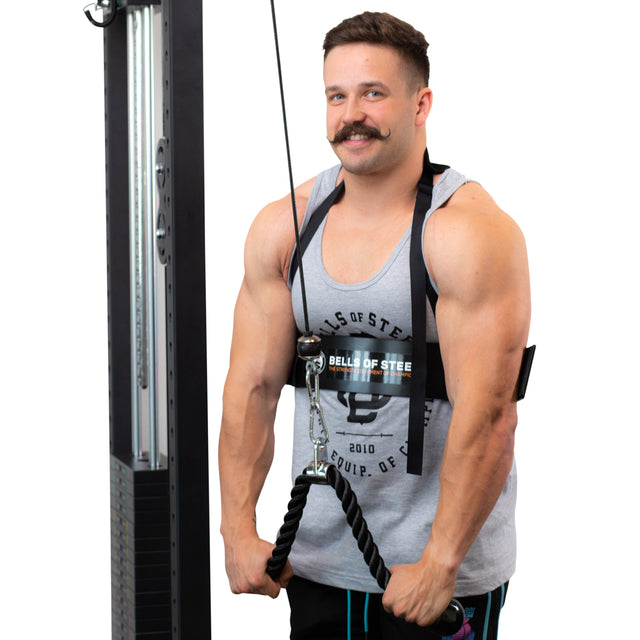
(319, 612)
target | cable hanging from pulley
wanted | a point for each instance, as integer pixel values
(296, 226)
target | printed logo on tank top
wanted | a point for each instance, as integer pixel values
(367, 432)
(364, 322)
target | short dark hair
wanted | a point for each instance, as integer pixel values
(383, 29)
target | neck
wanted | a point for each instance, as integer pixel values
(385, 191)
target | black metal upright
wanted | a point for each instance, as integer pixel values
(186, 338)
(117, 188)
(160, 516)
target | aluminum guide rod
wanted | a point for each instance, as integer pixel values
(141, 284)
(132, 114)
(142, 232)
(150, 232)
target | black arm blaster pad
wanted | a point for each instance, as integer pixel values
(381, 366)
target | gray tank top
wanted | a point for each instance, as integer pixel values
(368, 433)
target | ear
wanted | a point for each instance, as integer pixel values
(423, 105)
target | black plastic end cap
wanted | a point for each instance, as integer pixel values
(309, 347)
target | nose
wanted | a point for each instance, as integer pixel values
(353, 111)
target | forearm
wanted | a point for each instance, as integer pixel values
(244, 457)
(476, 463)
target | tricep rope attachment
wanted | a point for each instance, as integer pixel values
(447, 624)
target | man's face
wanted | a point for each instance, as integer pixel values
(372, 106)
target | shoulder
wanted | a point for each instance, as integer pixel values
(271, 238)
(472, 236)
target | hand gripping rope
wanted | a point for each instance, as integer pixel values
(319, 470)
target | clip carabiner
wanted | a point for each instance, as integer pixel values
(109, 10)
(317, 468)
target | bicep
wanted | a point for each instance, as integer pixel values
(483, 309)
(263, 335)
(263, 340)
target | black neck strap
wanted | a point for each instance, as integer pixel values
(419, 280)
(316, 218)
(421, 289)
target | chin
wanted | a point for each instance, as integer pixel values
(370, 161)
(357, 165)
(362, 167)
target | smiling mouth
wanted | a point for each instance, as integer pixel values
(358, 132)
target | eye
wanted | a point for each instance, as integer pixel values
(336, 97)
(373, 93)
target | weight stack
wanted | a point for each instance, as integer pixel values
(140, 550)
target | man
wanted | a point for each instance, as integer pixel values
(450, 530)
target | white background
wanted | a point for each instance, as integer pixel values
(536, 100)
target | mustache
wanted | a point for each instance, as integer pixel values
(358, 128)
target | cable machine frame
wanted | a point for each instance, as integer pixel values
(160, 503)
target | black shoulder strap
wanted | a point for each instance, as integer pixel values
(435, 170)
(315, 219)
(421, 285)
(420, 288)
